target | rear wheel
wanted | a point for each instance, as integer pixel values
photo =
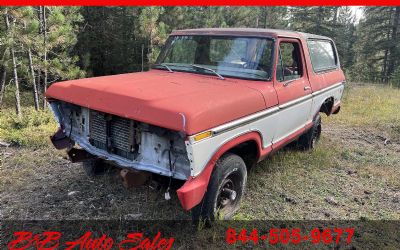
(309, 140)
(225, 190)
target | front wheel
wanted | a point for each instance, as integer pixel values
(225, 190)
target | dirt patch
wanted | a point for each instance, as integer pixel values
(364, 137)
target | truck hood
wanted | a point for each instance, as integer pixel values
(179, 101)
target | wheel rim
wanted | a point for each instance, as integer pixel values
(229, 194)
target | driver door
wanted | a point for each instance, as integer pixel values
(293, 90)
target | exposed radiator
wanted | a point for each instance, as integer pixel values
(112, 133)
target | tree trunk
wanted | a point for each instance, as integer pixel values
(3, 77)
(44, 56)
(3, 84)
(384, 69)
(320, 18)
(38, 84)
(14, 62)
(40, 15)
(265, 17)
(35, 91)
(38, 74)
(336, 15)
(17, 96)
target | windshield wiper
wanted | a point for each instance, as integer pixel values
(205, 68)
(165, 66)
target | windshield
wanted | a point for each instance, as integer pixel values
(242, 57)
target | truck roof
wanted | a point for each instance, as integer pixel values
(248, 32)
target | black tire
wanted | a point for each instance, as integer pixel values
(224, 192)
(309, 140)
(94, 167)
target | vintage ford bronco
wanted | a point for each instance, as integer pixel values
(216, 102)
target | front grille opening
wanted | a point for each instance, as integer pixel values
(113, 134)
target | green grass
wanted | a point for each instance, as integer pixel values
(370, 105)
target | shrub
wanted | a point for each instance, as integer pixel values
(33, 129)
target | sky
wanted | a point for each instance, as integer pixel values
(357, 12)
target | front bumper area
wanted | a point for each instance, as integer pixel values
(115, 159)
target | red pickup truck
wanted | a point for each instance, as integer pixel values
(216, 102)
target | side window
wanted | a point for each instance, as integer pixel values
(323, 56)
(289, 63)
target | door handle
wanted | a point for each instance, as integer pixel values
(288, 82)
(307, 88)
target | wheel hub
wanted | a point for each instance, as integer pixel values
(227, 194)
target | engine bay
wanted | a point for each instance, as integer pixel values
(124, 142)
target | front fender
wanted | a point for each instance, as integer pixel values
(192, 192)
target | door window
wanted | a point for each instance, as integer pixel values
(289, 62)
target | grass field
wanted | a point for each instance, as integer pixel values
(353, 173)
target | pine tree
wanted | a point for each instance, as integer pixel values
(272, 17)
(28, 37)
(315, 20)
(378, 44)
(344, 35)
(110, 41)
(38, 42)
(59, 33)
(53, 41)
(152, 29)
(394, 47)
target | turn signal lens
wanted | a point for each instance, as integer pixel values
(202, 136)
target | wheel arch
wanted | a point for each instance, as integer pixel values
(193, 190)
(248, 151)
(327, 106)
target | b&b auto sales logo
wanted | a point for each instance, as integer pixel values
(51, 240)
